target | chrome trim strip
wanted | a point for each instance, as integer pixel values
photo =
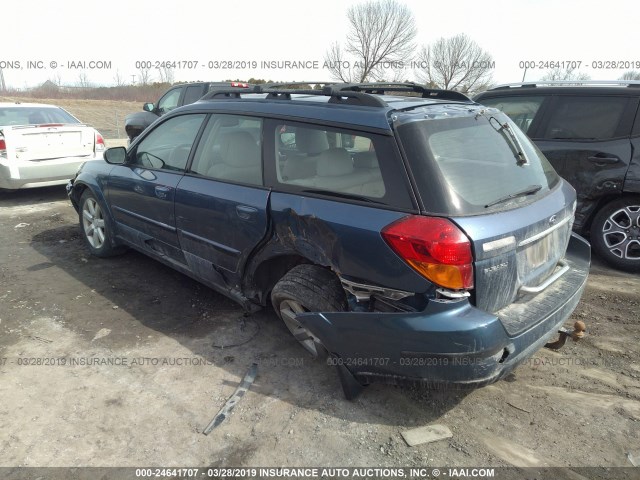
(498, 244)
(548, 281)
(538, 236)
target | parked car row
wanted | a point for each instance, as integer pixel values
(416, 236)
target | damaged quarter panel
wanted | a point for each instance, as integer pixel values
(342, 236)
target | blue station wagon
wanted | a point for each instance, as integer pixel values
(410, 235)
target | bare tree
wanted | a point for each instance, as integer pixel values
(455, 63)
(83, 80)
(144, 75)
(556, 74)
(56, 79)
(118, 79)
(380, 38)
(166, 74)
(630, 75)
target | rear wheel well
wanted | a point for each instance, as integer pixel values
(600, 203)
(270, 271)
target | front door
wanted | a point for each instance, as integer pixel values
(142, 191)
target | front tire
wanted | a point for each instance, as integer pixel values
(307, 288)
(95, 227)
(615, 233)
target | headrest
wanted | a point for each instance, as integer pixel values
(242, 150)
(311, 141)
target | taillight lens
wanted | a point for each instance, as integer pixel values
(435, 248)
(3, 147)
(100, 147)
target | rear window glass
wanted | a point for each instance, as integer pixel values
(34, 116)
(472, 164)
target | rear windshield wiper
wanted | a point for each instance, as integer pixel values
(530, 190)
(349, 196)
(512, 140)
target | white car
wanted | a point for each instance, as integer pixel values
(42, 145)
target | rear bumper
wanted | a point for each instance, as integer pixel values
(16, 174)
(449, 344)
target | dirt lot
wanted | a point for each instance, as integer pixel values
(183, 349)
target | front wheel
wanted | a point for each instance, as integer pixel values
(615, 233)
(307, 288)
(95, 228)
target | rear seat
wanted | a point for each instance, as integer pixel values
(367, 162)
(336, 171)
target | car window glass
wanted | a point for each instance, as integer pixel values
(521, 110)
(192, 94)
(586, 118)
(476, 157)
(332, 160)
(34, 116)
(168, 146)
(636, 125)
(230, 150)
(169, 101)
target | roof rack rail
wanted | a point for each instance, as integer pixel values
(229, 92)
(337, 96)
(363, 94)
(288, 85)
(381, 87)
(569, 83)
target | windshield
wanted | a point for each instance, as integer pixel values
(472, 160)
(34, 116)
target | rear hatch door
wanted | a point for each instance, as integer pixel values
(473, 165)
(517, 250)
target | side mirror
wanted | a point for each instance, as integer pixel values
(116, 155)
(148, 107)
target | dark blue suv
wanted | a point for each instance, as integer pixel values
(409, 234)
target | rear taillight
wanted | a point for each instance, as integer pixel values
(99, 143)
(240, 84)
(435, 248)
(3, 148)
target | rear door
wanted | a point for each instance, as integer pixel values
(142, 192)
(632, 180)
(193, 93)
(586, 139)
(221, 203)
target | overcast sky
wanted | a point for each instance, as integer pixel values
(123, 32)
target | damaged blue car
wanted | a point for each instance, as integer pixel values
(405, 233)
